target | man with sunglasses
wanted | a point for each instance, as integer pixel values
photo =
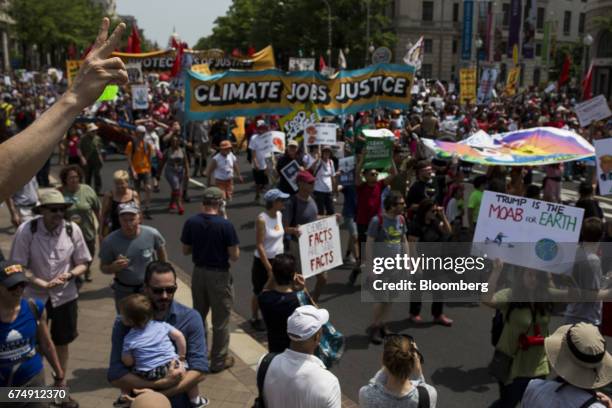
(55, 253)
(160, 285)
(125, 253)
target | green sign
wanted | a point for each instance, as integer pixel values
(379, 149)
(109, 94)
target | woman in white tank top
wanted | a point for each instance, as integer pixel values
(269, 234)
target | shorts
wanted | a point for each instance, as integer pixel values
(142, 178)
(227, 186)
(63, 325)
(351, 226)
(259, 275)
(260, 177)
(155, 374)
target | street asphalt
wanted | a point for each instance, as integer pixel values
(455, 358)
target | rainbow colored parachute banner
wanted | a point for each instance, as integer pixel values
(528, 147)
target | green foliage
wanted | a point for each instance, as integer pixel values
(300, 26)
(603, 22)
(575, 51)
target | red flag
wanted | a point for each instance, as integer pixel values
(251, 51)
(236, 53)
(176, 67)
(565, 71)
(134, 41)
(587, 82)
(322, 64)
(71, 51)
(86, 51)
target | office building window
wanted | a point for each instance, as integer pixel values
(536, 76)
(505, 15)
(540, 18)
(428, 10)
(427, 70)
(455, 12)
(567, 22)
(581, 19)
(538, 50)
(455, 45)
(428, 46)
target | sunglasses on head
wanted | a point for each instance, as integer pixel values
(410, 339)
(169, 290)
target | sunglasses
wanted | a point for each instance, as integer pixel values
(20, 285)
(410, 339)
(169, 290)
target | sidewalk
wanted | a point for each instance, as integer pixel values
(89, 354)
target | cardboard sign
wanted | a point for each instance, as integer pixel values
(134, 70)
(290, 172)
(269, 142)
(346, 166)
(592, 110)
(527, 232)
(109, 94)
(467, 85)
(140, 97)
(321, 134)
(299, 119)
(603, 152)
(320, 248)
(301, 64)
(379, 148)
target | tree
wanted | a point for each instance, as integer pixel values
(53, 25)
(296, 27)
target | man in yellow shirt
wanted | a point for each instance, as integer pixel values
(138, 152)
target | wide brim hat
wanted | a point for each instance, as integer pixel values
(578, 354)
(91, 127)
(51, 197)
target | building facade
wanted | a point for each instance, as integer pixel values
(441, 23)
(601, 50)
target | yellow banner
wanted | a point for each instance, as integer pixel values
(72, 68)
(249, 93)
(239, 131)
(201, 69)
(512, 82)
(467, 85)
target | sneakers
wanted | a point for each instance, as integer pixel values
(443, 320)
(200, 402)
(350, 259)
(354, 274)
(228, 363)
(172, 206)
(416, 319)
(374, 335)
(257, 324)
(181, 210)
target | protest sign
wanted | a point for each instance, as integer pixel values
(269, 92)
(487, 85)
(239, 130)
(603, 152)
(437, 102)
(379, 148)
(512, 81)
(294, 123)
(278, 142)
(268, 142)
(338, 150)
(290, 172)
(592, 110)
(134, 71)
(526, 232)
(346, 166)
(301, 64)
(467, 85)
(320, 248)
(109, 94)
(140, 97)
(72, 68)
(323, 134)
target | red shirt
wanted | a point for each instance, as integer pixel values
(368, 201)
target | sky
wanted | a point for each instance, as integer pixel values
(193, 18)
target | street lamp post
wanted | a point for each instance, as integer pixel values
(587, 41)
(329, 32)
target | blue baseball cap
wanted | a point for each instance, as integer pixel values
(275, 194)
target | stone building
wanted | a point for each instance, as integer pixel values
(601, 49)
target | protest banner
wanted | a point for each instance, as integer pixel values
(301, 64)
(487, 85)
(467, 85)
(320, 248)
(269, 142)
(346, 166)
(239, 130)
(512, 81)
(134, 70)
(268, 92)
(109, 94)
(379, 148)
(325, 134)
(140, 97)
(603, 153)
(290, 172)
(294, 123)
(526, 232)
(72, 68)
(592, 110)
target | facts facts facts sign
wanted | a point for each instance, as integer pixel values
(525, 232)
(320, 248)
(252, 93)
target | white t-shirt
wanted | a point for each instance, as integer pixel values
(225, 166)
(300, 380)
(261, 158)
(273, 237)
(152, 138)
(323, 173)
(546, 394)
(452, 209)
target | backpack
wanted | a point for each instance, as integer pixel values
(423, 396)
(34, 228)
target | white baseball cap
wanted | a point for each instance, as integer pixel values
(305, 322)
(141, 129)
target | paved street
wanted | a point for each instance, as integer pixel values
(455, 358)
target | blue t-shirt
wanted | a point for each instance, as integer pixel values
(150, 346)
(18, 347)
(349, 208)
(209, 236)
